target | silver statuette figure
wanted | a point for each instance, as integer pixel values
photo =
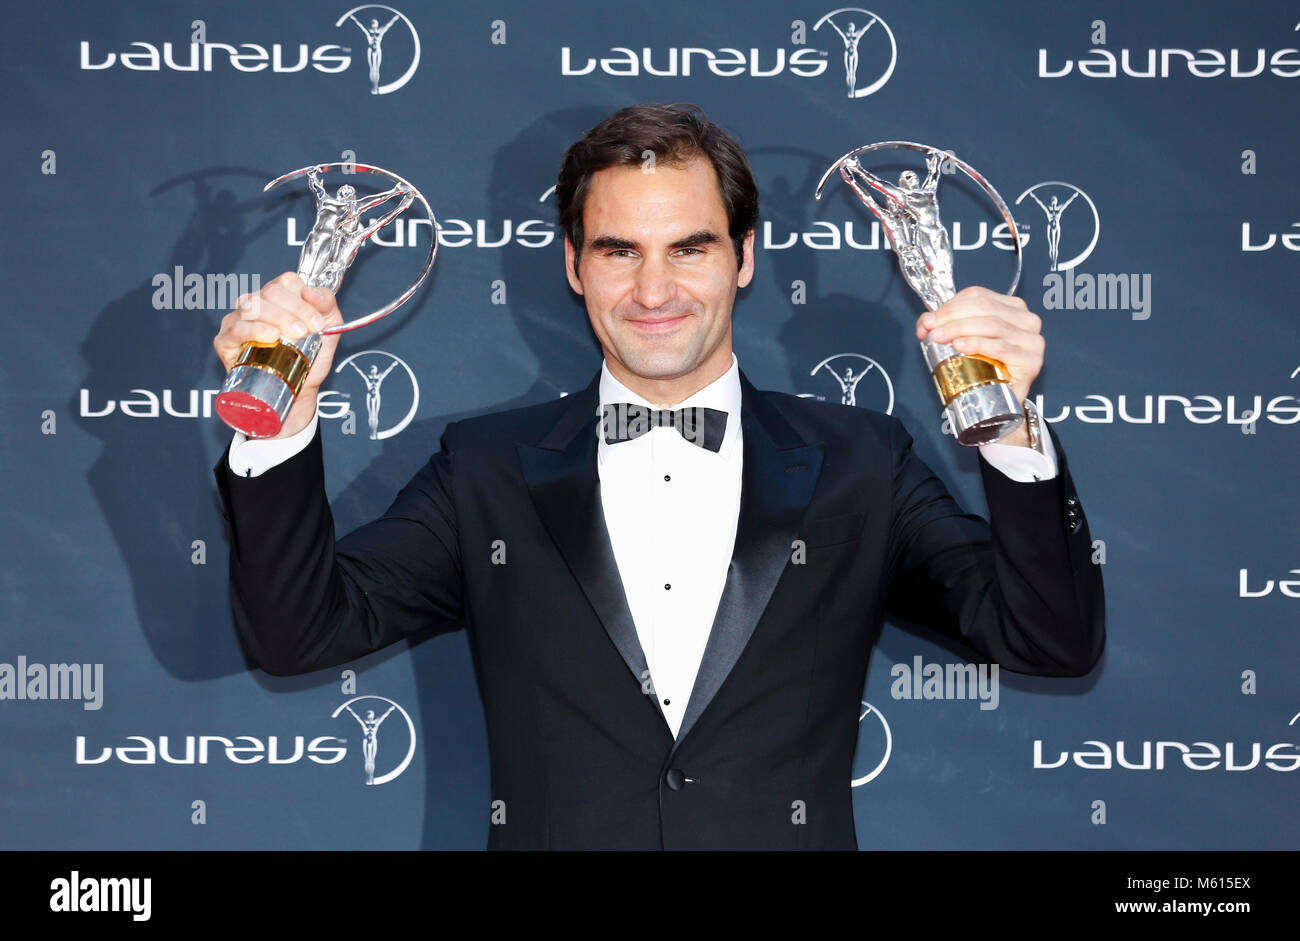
(975, 390)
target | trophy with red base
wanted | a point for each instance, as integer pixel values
(262, 386)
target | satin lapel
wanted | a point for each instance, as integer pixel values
(777, 481)
(565, 488)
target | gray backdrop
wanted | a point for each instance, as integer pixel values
(130, 164)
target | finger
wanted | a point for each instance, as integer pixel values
(285, 284)
(247, 331)
(976, 301)
(1017, 360)
(282, 306)
(980, 326)
(324, 307)
(264, 304)
(997, 305)
(321, 299)
(248, 306)
(288, 280)
(924, 324)
(1017, 314)
(977, 294)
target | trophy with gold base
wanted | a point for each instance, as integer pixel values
(975, 390)
(262, 386)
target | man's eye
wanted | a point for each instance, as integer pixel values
(691, 250)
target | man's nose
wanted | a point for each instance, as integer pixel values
(654, 283)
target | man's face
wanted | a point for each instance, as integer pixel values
(658, 271)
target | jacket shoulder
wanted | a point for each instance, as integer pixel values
(525, 424)
(820, 420)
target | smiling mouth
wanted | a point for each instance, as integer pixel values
(656, 324)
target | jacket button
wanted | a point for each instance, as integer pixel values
(1071, 501)
(1075, 524)
(675, 779)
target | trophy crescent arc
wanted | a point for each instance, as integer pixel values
(265, 380)
(975, 390)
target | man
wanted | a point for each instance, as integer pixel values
(673, 653)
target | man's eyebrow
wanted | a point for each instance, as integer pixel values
(694, 240)
(610, 242)
(697, 238)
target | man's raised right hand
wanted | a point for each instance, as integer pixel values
(284, 309)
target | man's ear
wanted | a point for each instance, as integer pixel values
(746, 273)
(571, 265)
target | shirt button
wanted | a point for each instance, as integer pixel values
(667, 587)
(668, 702)
(667, 477)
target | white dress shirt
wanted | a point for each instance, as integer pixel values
(671, 509)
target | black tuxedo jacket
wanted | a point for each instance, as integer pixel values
(840, 526)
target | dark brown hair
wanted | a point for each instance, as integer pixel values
(674, 134)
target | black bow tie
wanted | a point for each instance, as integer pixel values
(623, 421)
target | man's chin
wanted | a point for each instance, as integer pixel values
(659, 366)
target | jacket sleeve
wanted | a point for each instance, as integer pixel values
(303, 602)
(1023, 591)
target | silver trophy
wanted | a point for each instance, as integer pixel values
(975, 390)
(262, 386)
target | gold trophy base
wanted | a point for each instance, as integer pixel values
(976, 393)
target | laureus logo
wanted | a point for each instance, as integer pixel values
(370, 717)
(1099, 62)
(373, 367)
(848, 370)
(852, 24)
(1079, 236)
(865, 40)
(389, 36)
(880, 739)
(375, 20)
